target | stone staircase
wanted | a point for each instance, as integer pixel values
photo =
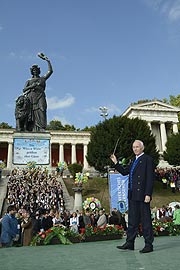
(69, 200)
(3, 193)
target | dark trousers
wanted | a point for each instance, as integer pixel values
(139, 213)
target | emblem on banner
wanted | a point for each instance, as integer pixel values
(122, 206)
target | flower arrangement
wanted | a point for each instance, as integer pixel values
(92, 203)
(64, 235)
(106, 230)
(80, 178)
(62, 165)
(2, 164)
(61, 233)
(165, 227)
(31, 164)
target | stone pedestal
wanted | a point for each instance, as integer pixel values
(31, 146)
(78, 198)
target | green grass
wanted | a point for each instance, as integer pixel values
(99, 188)
(163, 196)
(96, 187)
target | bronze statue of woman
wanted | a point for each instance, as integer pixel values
(35, 91)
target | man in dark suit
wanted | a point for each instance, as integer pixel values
(141, 178)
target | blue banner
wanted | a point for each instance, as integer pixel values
(118, 189)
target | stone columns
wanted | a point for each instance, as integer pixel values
(149, 124)
(175, 128)
(73, 153)
(163, 135)
(84, 156)
(61, 152)
(9, 156)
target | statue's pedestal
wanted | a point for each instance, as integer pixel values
(31, 146)
(78, 198)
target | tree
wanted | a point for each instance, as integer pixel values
(174, 101)
(4, 125)
(88, 128)
(69, 127)
(172, 153)
(141, 101)
(57, 125)
(75, 168)
(54, 125)
(121, 131)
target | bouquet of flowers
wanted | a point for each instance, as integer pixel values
(168, 227)
(2, 164)
(62, 165)
(80, 178)
(31, 164)
(61, 233)
(92, 203)
(106, 230)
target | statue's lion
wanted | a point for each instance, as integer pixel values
(22, 113)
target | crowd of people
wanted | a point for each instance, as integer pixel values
(34, 196)
(166, 213)
(34, 189)
(169, 177)
(36, 203)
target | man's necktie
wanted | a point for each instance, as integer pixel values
(131, 172)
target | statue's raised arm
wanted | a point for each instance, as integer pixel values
(50, 69)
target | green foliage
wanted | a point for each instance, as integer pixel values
(165, 226)
(4, 125)
(59, 233)
(44, 238)
(172, 153)
(54, 125)
(141, 101)
(88, 128)
(69, 127)
(105, 135)
(2, 164)
(57, 125)
(174, 101)
(75, 168)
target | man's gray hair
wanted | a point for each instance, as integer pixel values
(141, 143)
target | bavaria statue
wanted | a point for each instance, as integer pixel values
(31, 106)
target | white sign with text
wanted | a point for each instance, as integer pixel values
(26, 150)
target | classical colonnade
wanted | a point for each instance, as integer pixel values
(162, 130)
(161, 117)
(71, 158)
(64, 146)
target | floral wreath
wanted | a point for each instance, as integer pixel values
(92, 203)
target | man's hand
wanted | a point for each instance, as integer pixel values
(147, 199)
(113, 158)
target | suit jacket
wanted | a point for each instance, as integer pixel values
(9, 228)
(142, 178)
